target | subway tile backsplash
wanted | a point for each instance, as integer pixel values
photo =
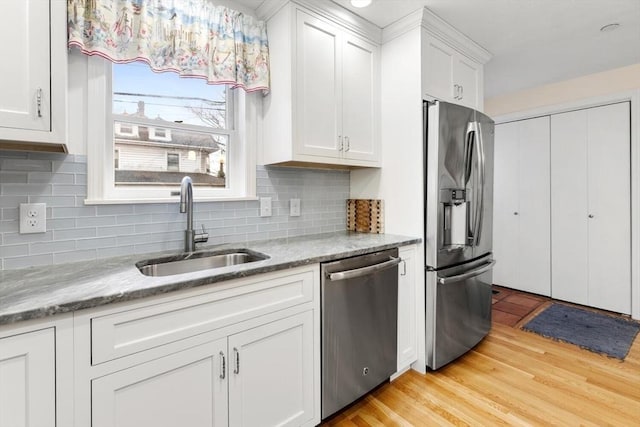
(76, 232)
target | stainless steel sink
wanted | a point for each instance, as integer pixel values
(196, 261)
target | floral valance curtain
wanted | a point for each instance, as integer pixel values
(191, 37)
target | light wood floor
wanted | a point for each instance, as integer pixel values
(513, 378)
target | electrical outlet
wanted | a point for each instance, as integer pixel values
(33, 218)
(265, 206)
(294, 207)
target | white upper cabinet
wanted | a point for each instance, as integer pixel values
(33, 82)
(323, 107)
(452, 64)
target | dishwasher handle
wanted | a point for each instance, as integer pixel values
(476, 272)
(363, 271)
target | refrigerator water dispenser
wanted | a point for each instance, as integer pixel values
(455, 210)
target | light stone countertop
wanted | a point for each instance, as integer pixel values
(44, 291)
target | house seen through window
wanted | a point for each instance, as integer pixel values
(166, 127)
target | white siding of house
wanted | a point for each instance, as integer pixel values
(136, 157)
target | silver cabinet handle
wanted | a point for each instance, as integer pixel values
(478, 271)
(236, 354)
(455, 91)
(590, 215)
(223, 366)
(339, 142)
(39, 101)
(358, 272)
(347, 145)
(461, 92)
(404, 267)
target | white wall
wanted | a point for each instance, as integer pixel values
(589, 86)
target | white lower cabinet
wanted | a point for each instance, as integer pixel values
(262, 376)
(27, 379)
(187, 388)
(407, 334)
(271, 374)
(240, 354)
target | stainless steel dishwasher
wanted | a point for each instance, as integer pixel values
(359, 298)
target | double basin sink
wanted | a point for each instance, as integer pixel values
(197, 261)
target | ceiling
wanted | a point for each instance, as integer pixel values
(533, 42)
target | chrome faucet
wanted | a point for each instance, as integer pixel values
(186, 205)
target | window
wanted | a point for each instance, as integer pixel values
(173, 162)
(161, 127)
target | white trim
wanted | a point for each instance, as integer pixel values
(440, 29)
(100, 186)
(633, 97)
(328, 10)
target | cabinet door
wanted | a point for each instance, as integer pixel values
(407, 344)
(318, 115)
(25, 76)
(466, 74)
(27, 380)
(359, 95)
(609, 220)
(188, 388)
(272, 373)
(438, 63)
(534, 228)
(505, 208)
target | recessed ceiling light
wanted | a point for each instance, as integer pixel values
(610, 27)
(360, 3)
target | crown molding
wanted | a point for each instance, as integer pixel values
(402, 26)
(439, 28)
(327, 10)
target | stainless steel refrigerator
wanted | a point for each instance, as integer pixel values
(458, 229)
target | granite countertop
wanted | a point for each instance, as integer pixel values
(44, 291)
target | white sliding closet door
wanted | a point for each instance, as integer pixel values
(505, 204)
(521, 206)
(610, 208)
(591, 212)
(569, 206)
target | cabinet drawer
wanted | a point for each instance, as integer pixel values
(120, 334)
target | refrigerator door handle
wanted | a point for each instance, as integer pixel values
(475, 272)
(479, 217)
(469, 143)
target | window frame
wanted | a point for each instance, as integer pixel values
(101, 189)
(177, 155)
